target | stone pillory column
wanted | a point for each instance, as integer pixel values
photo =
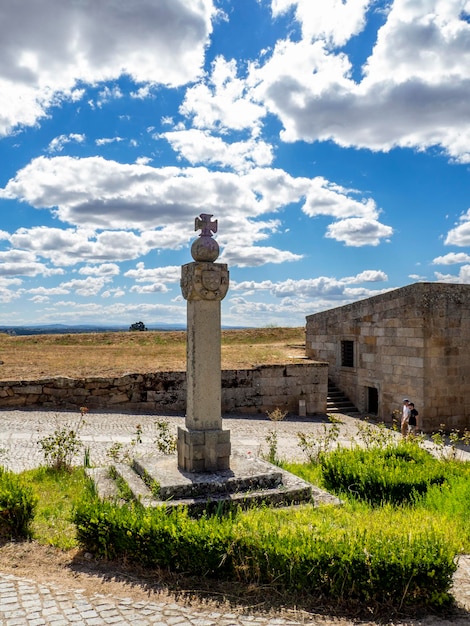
(202, 444)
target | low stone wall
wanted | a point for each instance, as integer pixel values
(256, 390)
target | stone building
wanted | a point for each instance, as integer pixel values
(412, 342)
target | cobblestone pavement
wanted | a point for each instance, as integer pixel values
(35, 603)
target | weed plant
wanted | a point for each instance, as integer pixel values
(165, 441)
(315, 445)
(61, 447)
(276, 415)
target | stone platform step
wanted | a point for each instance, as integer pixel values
(157, 481)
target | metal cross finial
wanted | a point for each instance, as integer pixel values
(203, 223)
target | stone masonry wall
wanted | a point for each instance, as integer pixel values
(409, 342)
(256, 390)
(447, 357)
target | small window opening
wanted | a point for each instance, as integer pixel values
(347, 353)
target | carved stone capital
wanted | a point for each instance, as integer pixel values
(204, 281)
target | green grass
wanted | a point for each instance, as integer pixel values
(57, 493)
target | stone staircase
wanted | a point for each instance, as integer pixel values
(338, 402)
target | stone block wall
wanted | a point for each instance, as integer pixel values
(447, 357)
(409, 342)
(256, 390)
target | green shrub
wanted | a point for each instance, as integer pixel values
(331, 552)
(385, 556)
(152, 537)
(17, 505)
(395, 474)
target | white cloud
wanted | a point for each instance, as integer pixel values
(106, 269)
(336, 20)
(48, 46)
(320, 287)
(90, 286)
(221, 101)
(326, 198)
(23, 263)
(452, 258)
(255, 256)
(117, 292)
(39, 299)
(153, 288)
(168, 274)
(367, 276)
(462, 277)
(199, 146)
(93, 193)
(460, 235)
(358, 231)
(49, 291)
(104, 141)
(415, 86)
(58, 143)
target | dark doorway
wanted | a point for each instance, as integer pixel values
(372, 400)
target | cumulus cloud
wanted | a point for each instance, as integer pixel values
(222, 101)
(95, 193)
(460, 235)
(158, 275)
(336, 21)
(452, 258)
(320, 287)
(65, 247)
(90, 286)
(417, 78)
(358, 231)
(198, 146)
(462, 277)
(257, 255)
(23, 263)
(106, 269)
(49, 46)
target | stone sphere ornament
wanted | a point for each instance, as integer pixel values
(205, 248)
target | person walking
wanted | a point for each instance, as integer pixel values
(413, 419)
(405, 417)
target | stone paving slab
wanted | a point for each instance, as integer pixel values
(26, 602)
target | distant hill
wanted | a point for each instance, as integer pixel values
(63, 329)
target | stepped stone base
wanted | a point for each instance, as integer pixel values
(157, 481)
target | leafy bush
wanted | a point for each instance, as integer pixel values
(331, 552)
(17, 505)
(152, 537)
(395, 474)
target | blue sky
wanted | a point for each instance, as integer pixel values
(331, 141)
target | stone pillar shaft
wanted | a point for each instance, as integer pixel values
(202, 444)
(203, 373)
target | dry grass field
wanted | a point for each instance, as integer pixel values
(31, 357)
